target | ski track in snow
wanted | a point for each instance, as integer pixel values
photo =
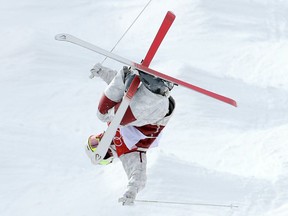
(210, 152)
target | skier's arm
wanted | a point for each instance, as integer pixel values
(113, 94)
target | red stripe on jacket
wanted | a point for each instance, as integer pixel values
(106, 104)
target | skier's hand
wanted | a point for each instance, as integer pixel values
(95, 70)
(106, 117)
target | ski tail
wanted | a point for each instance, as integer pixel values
(165, 26)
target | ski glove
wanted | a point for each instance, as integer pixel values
(95, 71)
(104, 73)
(107, 117)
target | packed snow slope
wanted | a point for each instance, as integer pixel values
(210, 152)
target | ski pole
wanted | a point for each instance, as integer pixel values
(189, 203)
(127, 30)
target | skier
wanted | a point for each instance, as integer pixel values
(148, 113)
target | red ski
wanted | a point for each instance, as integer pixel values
(167, 22)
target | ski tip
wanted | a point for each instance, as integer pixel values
(233, 103)
(171, 16)
(61, 37)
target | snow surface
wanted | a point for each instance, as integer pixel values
(210, 152)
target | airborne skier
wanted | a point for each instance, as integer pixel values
(149, 111)
(136, 113)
